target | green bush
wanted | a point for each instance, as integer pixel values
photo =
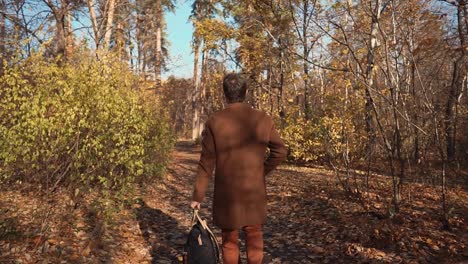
(79, 124)
(319, 139)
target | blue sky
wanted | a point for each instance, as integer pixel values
(179, 30)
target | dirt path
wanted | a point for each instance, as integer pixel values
(310, 221)
(287, 234)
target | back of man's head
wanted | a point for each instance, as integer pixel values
(234, 87)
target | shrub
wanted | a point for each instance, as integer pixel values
(321, 138)
(78, 124)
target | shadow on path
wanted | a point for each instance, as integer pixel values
(162, 233)
(310, 220)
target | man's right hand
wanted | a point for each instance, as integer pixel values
(195, 205)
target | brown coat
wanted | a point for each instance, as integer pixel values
(235, 141)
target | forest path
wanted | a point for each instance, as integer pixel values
(294, 206)
(309, 219)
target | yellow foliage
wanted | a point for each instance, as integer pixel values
(321, 138)
(81, 124)
(212, 31)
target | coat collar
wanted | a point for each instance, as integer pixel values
(237, 105)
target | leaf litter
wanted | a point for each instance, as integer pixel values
(311, 220)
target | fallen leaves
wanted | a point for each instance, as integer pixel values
(66, 235)
(310, 221)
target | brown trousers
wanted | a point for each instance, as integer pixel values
(253, 241)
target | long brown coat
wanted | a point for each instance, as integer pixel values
(235, 141)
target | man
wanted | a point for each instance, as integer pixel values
(235, 141)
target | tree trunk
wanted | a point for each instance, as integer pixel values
(92, 16)
(143, 66)
(140, 41)
(109, 24)
(195, 94)
(306, 56)
(199, 95)
(270, 89)
(158, 62)
(369, 82)
(395, 90)
(370, 68)
(3, 55)
(202, 102)
(68, 33)
(63, 33)
(281, 83)
(120, 41)
(250, 65)
(459, 73)
(60, 27)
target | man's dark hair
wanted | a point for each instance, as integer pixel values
(235, 87)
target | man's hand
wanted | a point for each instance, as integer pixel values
(195, 205)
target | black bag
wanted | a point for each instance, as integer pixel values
(201, 246)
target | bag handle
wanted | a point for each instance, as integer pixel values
(196, 217)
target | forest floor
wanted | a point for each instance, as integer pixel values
(311, 220)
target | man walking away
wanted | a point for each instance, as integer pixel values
(234, 142)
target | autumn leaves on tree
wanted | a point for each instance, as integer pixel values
(134, 31)
(350, 83)
(372, 91)
(367, 84)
